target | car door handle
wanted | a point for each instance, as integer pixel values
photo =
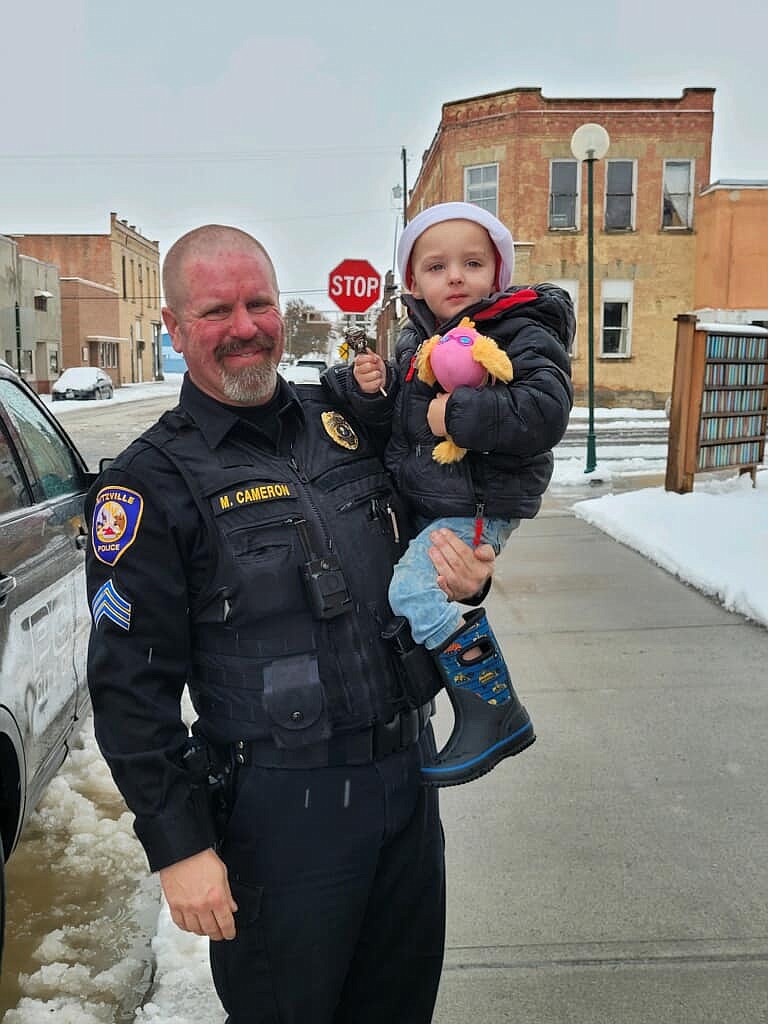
(7, 584)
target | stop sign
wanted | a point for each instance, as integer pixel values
(354, 286)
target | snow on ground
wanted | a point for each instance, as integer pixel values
(126, 393)
(715, 538)
(614, 461)
(95, 959)
(581, 412)
(183, 992)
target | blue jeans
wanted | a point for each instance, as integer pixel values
(414, 592)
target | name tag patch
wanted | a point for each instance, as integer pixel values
(251, 494)
(116, 518)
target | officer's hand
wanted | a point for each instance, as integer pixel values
(370, 372)
(199, 897)
(462, 570)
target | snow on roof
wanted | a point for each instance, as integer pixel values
(721, 328)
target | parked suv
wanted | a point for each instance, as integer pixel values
(44, 618)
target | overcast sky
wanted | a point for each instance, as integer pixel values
(288, 119)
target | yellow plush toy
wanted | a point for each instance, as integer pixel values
(460, 358)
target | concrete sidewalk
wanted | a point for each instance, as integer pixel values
(617, 871)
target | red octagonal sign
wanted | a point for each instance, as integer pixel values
(354, 286)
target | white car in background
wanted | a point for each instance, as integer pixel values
(82, 382)
(321, 364)
(300, 373)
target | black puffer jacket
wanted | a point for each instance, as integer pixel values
(508, 429)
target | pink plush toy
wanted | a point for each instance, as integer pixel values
(460, 358)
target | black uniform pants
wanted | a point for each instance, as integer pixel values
(338, 874)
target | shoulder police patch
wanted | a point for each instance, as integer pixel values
(337, 428)
(116, 518)
(109, 604)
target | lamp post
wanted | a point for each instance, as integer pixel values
(397, 195)
(589, 143)
(400, 192)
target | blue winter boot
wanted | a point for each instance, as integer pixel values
(490, 723)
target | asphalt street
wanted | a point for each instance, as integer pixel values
(616, 871)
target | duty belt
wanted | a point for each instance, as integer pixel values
(371, 744)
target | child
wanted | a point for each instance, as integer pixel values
(456, 259)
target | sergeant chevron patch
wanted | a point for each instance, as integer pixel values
(108, 604)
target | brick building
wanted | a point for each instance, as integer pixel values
(731, 279)
(90, 327)
(110, 298)
(510, 153)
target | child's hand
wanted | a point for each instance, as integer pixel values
(370, 372)
(436, 415)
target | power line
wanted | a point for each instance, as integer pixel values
(155, 300)
(190, 157)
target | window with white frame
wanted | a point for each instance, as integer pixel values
(620, 195)
(563, 194)
(481, 187)
(677, 199)
(108, 354)
(571, 285)
(616, 319)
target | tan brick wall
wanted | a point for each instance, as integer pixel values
(522, 131)
(139, 291)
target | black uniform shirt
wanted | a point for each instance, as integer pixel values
(140, 646)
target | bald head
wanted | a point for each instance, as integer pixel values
(204, 243)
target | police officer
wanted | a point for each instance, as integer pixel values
(242, 547)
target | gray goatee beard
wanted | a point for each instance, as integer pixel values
(251, 384)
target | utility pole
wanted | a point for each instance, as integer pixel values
(405, 187)
(18, 337)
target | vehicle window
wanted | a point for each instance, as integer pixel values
(54, 463)
(13, 491)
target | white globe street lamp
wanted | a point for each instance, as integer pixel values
(590, 142)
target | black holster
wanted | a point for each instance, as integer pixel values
(420, 678)
(211, 777)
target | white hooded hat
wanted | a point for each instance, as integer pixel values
(500, 236)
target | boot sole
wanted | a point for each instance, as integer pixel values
(480, 764)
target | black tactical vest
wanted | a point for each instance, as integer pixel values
(265, 661)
